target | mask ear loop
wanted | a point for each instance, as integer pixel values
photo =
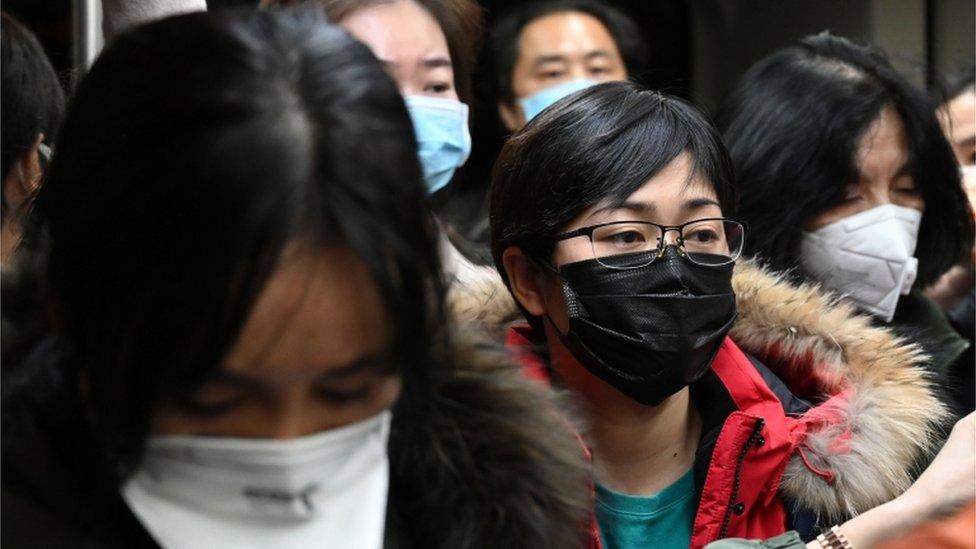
(554, 270)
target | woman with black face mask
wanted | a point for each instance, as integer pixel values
(721, 400)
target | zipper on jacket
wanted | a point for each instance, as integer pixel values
(756, 430)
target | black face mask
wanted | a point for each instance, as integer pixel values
(650, 331)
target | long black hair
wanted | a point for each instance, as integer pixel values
(601, 143)
(792, 124)
(195, 150)
(32, 101)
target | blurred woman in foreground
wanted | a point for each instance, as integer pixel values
(248, 344)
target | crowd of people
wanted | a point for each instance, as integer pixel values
(236, 314)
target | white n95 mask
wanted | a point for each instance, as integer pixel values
(324, 490)
(867, 257)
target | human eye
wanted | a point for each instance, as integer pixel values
(212, 399)
(702, 235)
(438, 88)
(705, 236)
(622, 237)
(345, 395)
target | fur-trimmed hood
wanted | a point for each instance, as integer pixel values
(860, 446)
(492, 462)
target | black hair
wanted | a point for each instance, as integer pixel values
(792, 124)
(503, 37)
(599, 144)
(32, 101)
(196, 149)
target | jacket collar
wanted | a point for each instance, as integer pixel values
(875, 411)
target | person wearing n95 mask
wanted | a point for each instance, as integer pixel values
(848, 181)
(251, 353)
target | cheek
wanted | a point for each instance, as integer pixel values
(555, 303)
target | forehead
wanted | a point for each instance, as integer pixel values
(962, 114)
(884, 144)
(565, 33)
(320, 310)
(398, 32)
(669, 188)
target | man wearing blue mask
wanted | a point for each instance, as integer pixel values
(545, 51)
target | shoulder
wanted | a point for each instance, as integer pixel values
(491, 460)
(874, 410)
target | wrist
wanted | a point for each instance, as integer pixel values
(871, 526)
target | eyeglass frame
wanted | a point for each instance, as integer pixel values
(588, 233)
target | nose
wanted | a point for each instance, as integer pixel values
(289, 416)
(670, 236)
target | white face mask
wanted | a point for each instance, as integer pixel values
(867, 257)
(322, 490)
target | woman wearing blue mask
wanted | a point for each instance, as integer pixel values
(429, 49)
(245, 340)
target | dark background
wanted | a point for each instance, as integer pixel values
(696, 49)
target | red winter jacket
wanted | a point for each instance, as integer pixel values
(811, 414)
(755, 431)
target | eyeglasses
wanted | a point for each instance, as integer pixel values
(711, 242)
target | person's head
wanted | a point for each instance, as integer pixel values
(826, 137)
(959, 120)
(33, 106)
(233, 234)
(428, 46)
(429, 49)
(581, 186)
(542, 51)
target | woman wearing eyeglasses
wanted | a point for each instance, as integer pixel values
(721, 401)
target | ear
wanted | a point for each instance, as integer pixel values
(512, 116)
(24, 177)
(30, 168)
(525, 279)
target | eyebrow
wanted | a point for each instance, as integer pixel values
(376, 363)
(647, 207)
(436, 63)
(429, 63)
(550, 58)
(598, 53)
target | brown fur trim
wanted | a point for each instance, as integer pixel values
(891, 415)
(820, 346)
(493, 462)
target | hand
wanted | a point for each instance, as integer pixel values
(952, 475)
(951, 478)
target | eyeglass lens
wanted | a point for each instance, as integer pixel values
(707, 242)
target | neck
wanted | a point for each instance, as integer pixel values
(642, 449)
(637, 449)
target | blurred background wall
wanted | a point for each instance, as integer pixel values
(697, 48)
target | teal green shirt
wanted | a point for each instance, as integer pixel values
(661, 521)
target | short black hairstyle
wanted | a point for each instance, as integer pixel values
(503, 37)
(196, 149)
(599, 144)
(792, 123)
(32, 101)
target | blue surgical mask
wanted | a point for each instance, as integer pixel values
(443, 139)
(538, 101)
